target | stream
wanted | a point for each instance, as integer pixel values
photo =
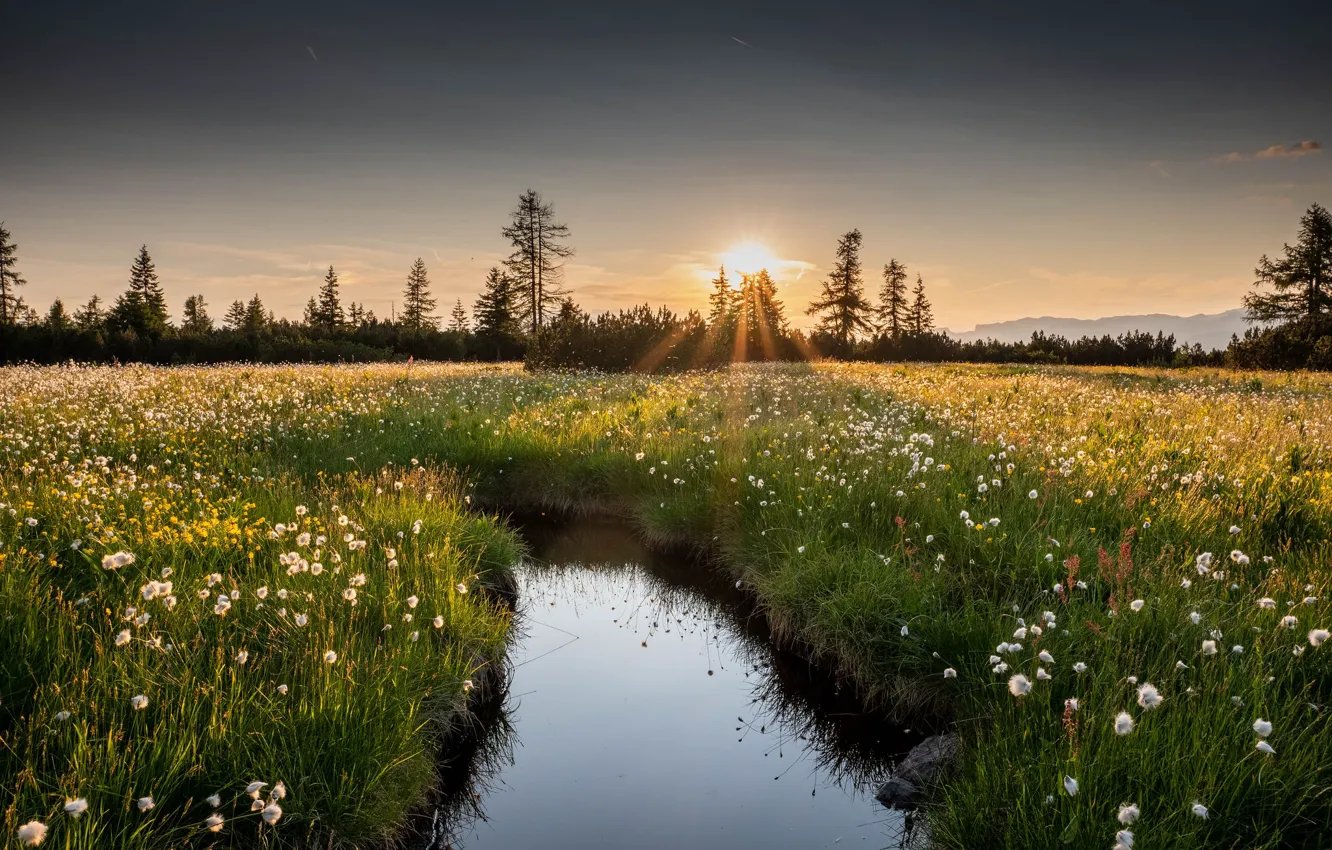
(646, 706)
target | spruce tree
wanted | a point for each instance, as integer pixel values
(920, 318)
(537, 262)
(497, 327)
(723, 299)
(194, 318)
(762, 323)
(90, 318)
(255, 317)
(893, 300)
(356, 315)
(57, 319)
(142, 307)
(841, 305)
(11, 305)
(329, 313)
(458, 318)
(418, 307)
(1302, 279)
(235, 316)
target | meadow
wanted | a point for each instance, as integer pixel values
(1112, 582)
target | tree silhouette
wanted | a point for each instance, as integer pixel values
(235, 316)
(417, 306)
(194, 318)
(90, 317)
(537, 262)
(920, 319)
(497, 328)
(458, 322)
(328, 309)
(762, 321)
(893, 300)
(57, 319)
(841, 305)
(11, 304)
(1302, 279)
(142, 307)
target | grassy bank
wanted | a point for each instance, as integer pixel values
(935, 531)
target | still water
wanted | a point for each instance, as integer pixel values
(646, 707)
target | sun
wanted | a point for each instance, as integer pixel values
(749, 257)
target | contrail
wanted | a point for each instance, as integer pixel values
(312, 53)
(739, 41)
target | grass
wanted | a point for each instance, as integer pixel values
(834, 494)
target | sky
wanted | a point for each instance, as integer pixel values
(1029, 159)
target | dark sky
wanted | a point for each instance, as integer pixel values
(1028, 159)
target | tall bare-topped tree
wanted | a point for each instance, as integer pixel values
(1302, 279)
(11, 304)
(142, 308)
(920, 318)
(841, 305)
(893, 300)
(458, 322)
(418, 307)
(328, 309)
(537, 262)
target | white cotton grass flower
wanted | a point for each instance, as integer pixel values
(1290, 621)
(76, 807)
(1080, 667)
(1262, 727)
(214, 800)
(1071, 786)
(467, 685)
(1046, 656)
(905, 631)
(1149, 697)
(1267, 603)
(1264, 747)
(1199, 809)
(123, 638)
(1041, 675)
(282, 689)
(1209, 647)
(214, 822)
(279, 791)
(1318, 636)
(330, 656)
(438, 622)
(460, 587)
(1123, 840)
(1019, 685)
(116, 561)
(146, 804)
(138, 702)
(1195, 617)
(1128, 813)
(254, 788)
(950, 673)
(32, 833)
(256, 804)
(271, 813)
(1123, 723)
(1033, 495)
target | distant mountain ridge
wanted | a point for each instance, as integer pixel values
(1211, 330)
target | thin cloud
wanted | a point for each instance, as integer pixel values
(1159, 166)
(1296, 150)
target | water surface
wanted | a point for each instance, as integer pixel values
(646, 708)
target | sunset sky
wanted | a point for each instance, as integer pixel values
(1027, 159)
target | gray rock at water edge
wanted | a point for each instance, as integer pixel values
(923, 768)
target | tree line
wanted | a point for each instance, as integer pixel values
(524, 311)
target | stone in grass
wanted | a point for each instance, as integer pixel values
(923, 768)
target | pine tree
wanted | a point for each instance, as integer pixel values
(329, 310)
(842, 305)
(458, 318)
(356, 315)
(57, 319)
(235, 317)
(255, 317)
(11, 305)
(893, 300)
(418, 307)
(496, 315)
(142, 308)
(723, 300)
(194, 318)
(90, 318)
(920, 319)
(537, 262)
(1302, 279)
(762, 323)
